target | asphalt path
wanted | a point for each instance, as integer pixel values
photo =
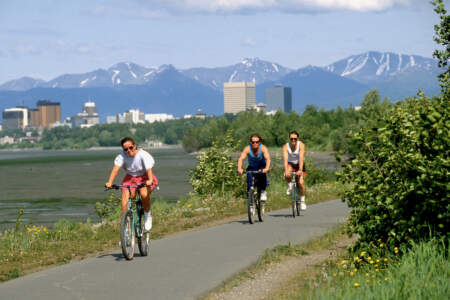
(181, 266)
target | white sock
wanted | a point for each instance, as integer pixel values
(147, 214)
(302, 198)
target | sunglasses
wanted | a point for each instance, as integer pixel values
(294, 139)
(253, 142)
(129, 148)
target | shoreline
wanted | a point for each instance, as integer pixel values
(177, 146)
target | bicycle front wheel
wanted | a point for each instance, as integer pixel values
(127, 234)
(293, 200)
(251, 207)
(260, 208)
(144, 236)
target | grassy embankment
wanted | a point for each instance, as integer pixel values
(28, 248)
(422, 272)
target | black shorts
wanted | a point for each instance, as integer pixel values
(295, 167)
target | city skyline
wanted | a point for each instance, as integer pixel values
(49, 38)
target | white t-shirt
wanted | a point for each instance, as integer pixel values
(137, 165)
(293, 156)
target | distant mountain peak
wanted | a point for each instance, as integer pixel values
(374, 65)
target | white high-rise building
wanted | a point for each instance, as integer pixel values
(15, 118)
(157, 117)
(238, 96)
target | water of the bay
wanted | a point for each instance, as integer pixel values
(50, 185)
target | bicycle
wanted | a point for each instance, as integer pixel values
(294, 195)
(254, 199)
(132, 225)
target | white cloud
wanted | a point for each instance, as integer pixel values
(248, 6)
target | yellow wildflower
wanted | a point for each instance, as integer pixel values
(386, 278)
(363, 253)
(381, 245)
(356, 284)
(351, 273)
(377, 260)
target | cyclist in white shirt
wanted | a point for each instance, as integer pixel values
(293, 158)
(138, 165)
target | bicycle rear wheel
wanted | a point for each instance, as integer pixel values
(251, 207)
(127, 234)
(144, 238)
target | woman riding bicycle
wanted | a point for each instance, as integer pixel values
(294, 158)
(138, 165)
(258, 159)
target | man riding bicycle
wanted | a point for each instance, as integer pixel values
(138, 165)
(258, 159)
(293, 158)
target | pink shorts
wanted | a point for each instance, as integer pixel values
(135, 180)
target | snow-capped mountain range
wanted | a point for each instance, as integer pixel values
(167, 89)
(365, 68)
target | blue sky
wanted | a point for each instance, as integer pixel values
(47, 38)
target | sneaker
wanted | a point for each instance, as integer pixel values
(289, 189)
(147, 221)
(263, 196)
(302, 205)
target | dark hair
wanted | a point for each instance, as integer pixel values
(294, 132)
(127, 139)
(255, 135)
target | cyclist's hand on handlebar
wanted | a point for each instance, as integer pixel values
(265, 170)
(108, 185)
(149, 182)
(240, 171)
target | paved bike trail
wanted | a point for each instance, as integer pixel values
(182, 266)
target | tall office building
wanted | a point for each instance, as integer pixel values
(278, 97)
(238, 96)
(33, 114)
(49, 112)
(15, 118)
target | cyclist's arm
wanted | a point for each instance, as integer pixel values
(241, 159)
(115, 170)
(301, 158)
(266, 154)
(150, 177)
(285, 160)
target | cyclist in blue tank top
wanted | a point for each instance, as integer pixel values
(258, 159)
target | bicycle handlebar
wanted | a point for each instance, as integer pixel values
(254, 172)
(118, 186)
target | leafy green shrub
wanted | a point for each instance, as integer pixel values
(215, 171)
(399, 180)
(316, 175)
(108, 208)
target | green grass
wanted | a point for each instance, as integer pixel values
(423, 272)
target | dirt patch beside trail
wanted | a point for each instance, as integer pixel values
(272, 278)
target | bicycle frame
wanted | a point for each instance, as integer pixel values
(131, 219)
(254, 201)
(294, 199)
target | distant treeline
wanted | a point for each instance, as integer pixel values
(319, 129)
